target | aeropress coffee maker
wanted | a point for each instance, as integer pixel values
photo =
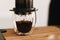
(24, 16)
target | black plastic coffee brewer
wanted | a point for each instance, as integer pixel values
(23, 18)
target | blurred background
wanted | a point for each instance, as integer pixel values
(6, 20)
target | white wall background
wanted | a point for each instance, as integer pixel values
(6, 15)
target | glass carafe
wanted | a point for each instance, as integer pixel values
(23, 23)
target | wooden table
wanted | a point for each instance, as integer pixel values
(37, 33)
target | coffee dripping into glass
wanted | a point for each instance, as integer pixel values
(24, 18)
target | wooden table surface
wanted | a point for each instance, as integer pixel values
(36, 33)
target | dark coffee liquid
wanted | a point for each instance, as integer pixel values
(24, 26)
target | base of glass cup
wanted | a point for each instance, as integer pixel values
(22, 34)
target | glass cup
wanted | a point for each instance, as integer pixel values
(23, 23)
